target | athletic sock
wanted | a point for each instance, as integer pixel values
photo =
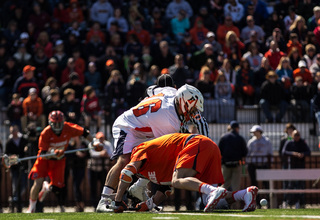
(206, 189)
(142, 182)
(106, 191)
(239, 195)
(32, 204)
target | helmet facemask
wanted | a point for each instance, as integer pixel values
(56, 121)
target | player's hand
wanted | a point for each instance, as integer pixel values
(142, 207)
(59, 153)
(120, 207)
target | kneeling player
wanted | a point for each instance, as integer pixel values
(184, 161)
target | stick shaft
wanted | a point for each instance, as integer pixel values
(52, 154)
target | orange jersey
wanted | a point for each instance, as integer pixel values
(48, 139)
(173, 151)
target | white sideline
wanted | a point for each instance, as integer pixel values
(245, 215)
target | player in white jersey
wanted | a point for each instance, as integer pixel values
(163, 113)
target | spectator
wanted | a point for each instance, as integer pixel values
(44, 43)
(260, 13)
(299, 27)
(272, 95)
(199, 58)
(22, 56)
(135, 89)
(32, 110)
(175, 6)
(61, 59)
(315, 67)
(74, 84)
(98, 165)
(179, 26)
(297, 150)
(180, 72)
(245, 83)
(40, 61)
(206, 87)
(154, 73)
(287, 137)
(165, 58)
(259, 153)
(245, 33)
(316, 32)
(51, 83)
(9, 74)
(233, 47)
(52, 70)
(312, 22)
(93, 78)
(253, 38)
(52, 102)
(16, 145)
(314, 85)
(229, 72)
(211, 40)
(274, 23)
(95, 30)
(260, 76)
(305, 8)
(224, 28)
(285, 72)
(115, 94)
(15, 111)
(254, 57)
(209, 20)
(290, 18)
(71, 67)
(41, 19)
(90, 107)
(234, 9)
(95, 45)
(75, 13)
(277, 37)
(79, 62)
(25, 82)
(274, 54)
(60, 13)
(198, 32)
(223, 93)
(70, 108)
(134, 15)
(300, 99)
(133, 46)
(303, 71)
(294, 58)
(143, 35)
(101, 11)
(282, 8)
(233, 149)
(55, 31)
(310, 56)
(119, 19)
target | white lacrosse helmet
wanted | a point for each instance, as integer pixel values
(189, 97)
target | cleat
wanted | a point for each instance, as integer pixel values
(250, 199)
(29, 210)
(104, 204)
(140, 192)
(44, 191)
(214, 197)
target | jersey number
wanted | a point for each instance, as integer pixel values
(143, 108)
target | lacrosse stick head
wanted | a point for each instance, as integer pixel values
(8, 161)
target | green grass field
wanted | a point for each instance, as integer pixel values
(230, 214)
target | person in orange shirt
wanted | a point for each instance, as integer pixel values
(224, 28)
(75, 12)
(143, 35)
(198, 32)
(54, 138)
(95, 30)
(184, 161)
(303, 72)
(32, 110)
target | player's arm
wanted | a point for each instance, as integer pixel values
(126, 178)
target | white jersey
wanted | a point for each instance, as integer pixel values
(151, 118)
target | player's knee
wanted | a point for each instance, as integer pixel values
(123, 160)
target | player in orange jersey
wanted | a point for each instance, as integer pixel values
(184, 161)
(54, 138)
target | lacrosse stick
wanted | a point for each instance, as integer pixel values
(8, 161)
(316, 182)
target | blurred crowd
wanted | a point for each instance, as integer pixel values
(94, 59)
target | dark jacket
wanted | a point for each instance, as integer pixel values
(296, 146)
(233, 147)
(273, 93)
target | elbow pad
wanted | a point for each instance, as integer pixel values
(86, 132)
(127, 173)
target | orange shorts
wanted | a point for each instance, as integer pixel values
(202, 155)
(52, 168)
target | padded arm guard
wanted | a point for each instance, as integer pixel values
(127, 173)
